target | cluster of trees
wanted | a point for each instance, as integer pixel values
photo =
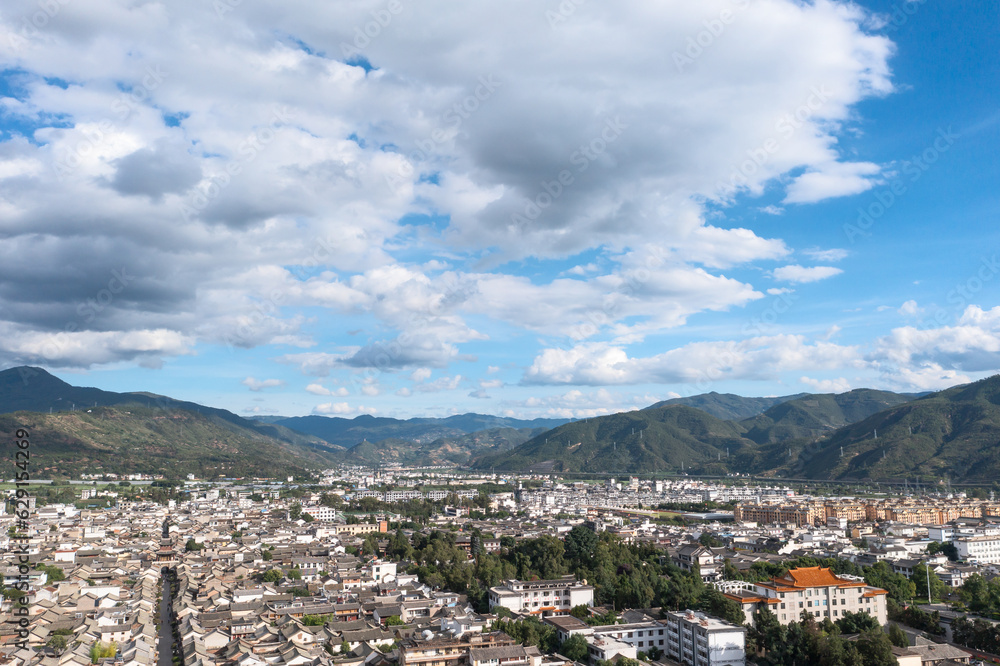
(623, 575)
(948, 549)
(980, 595)
(976, 634)
(824, 644)
(99, 650)
(912, 616)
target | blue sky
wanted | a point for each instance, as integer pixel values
(531, 209)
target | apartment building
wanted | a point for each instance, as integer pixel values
(696, 639)
(981, 549)
(542, 597)
(813, 590)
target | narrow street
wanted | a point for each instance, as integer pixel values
(166, 634)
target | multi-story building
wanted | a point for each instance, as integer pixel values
(982, 549)
(696, 639)
(813, 590)
(542, 597)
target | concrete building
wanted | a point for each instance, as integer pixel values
(813, 590)
(696, 639)
(981, 549)
(542, 597)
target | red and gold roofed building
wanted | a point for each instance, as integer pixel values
(813, 590)
(166, 555)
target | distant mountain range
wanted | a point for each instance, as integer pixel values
(798, 436)
(81, 421)
(857, 435)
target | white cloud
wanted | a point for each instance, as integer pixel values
(308, 233)
(909, 308)
(342, 409)
(834, 254)
(700, 363)
(839, 385)
(837, 179)
(801, 274)
(319, 389)
(261, 384)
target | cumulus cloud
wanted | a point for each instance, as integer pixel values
(800, 274)
(839, 385)
(834, 254)
(246, 220)
(261, 384)
(699, 363)
(342, 409)
(319, 389)
(833, 180)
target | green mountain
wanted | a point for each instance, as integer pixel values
(954, 433)
(727, 406)
(814, 415)
(654, 439)
(665, 437)
(442, 451)
(32, 389)
(137, 438)
(350, 432)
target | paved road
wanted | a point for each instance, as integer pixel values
(166, 635)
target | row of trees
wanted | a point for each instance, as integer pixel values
(823, 643)
(976, 634)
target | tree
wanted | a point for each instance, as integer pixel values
(332, 500)
(897, 636)
(876, 649)
(574, 648)
(58, 643)
(937, 587)
(192, 545)
(370, 545)
(307, 517)
(295, 512)
(709, 540)
(394, 621)
(272, 575)
(266, 555)
(295, 574)
(580, 544)
(855, 623)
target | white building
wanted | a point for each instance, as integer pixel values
(696, 639)
(982, 549)
(542, 597)
(813, 590)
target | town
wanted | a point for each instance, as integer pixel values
(437, 568)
